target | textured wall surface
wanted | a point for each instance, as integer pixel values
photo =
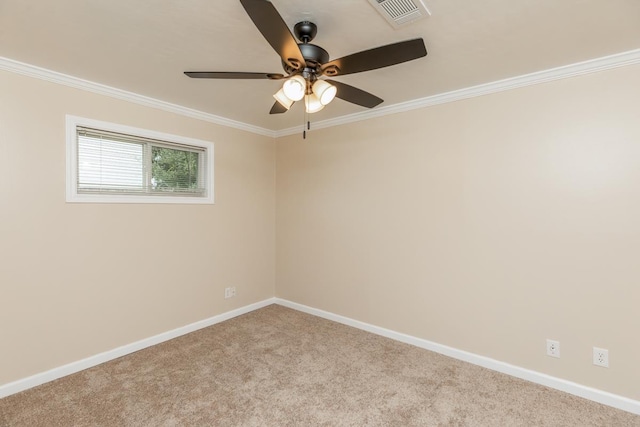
(80, 279)
(487, 225)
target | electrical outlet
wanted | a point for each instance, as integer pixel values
(601, 357)
(230, 292)
(553, 348)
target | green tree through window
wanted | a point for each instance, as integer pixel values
(174, 170)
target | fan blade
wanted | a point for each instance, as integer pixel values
(232, 75)
(278, 108)
(378, 57)
(269, 22)
(355, 95)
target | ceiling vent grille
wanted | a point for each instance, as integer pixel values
(400, 12)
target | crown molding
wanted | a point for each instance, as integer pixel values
(573, 70)
(17, 67)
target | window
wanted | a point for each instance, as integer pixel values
(121, 164)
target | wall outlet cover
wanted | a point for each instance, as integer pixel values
(553, 348)
(601, 357)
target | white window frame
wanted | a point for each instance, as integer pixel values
(72, 194)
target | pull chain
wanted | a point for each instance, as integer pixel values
(304, 119)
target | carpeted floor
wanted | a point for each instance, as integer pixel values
(280, 367)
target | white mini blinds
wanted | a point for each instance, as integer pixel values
(115, 166)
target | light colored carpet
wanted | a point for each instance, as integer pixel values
(280, 367)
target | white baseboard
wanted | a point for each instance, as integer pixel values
(576, 389)
(71, 368)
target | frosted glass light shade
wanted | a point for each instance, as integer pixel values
(324, 91)
(283, 99)
(295, 87)
(312, 103)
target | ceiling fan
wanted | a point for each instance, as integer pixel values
(304, 63)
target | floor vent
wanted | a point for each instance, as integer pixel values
(400, 12)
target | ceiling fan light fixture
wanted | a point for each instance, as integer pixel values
(283, 99)
(304, 63)
(312, 103)
(295, 88)
(324, 91)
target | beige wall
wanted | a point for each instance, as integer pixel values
(80, 279)
(488, 224)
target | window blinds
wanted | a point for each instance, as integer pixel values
(110, 162)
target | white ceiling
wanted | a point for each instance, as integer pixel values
(144, 46)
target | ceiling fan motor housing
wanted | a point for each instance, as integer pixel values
(314, 57)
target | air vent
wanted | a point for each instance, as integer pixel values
(400, 12)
